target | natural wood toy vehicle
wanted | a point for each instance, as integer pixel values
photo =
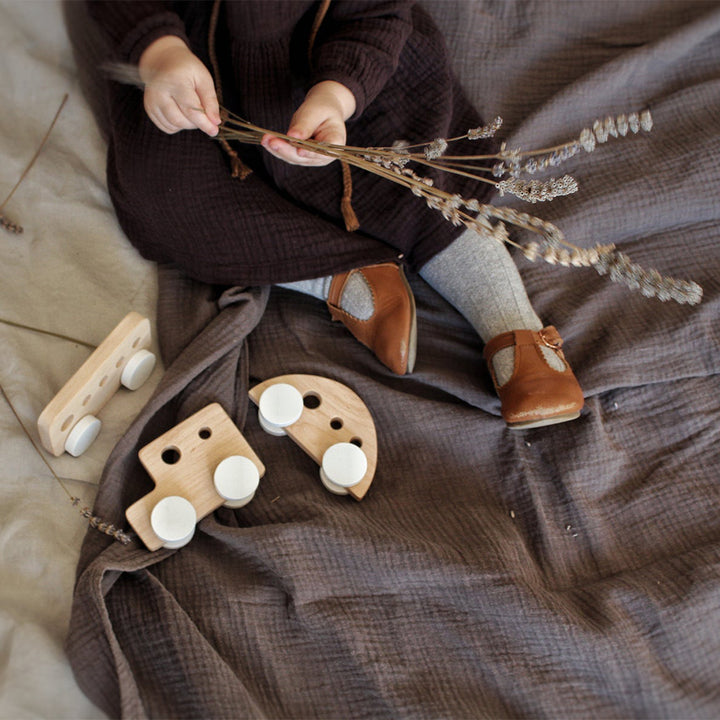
(328, 421)
(68, 423)
(199, 465)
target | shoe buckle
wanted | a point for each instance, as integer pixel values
(550, 339)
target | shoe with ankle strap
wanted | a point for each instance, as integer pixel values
(536, 394)
(391, 331)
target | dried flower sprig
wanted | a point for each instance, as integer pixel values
(94, 521)
(9, 225)
(515, 163)
(392, 163)
(5, 222)
(536, 191)
(98, 523)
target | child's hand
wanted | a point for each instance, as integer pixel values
(179, 90)
(321, 117)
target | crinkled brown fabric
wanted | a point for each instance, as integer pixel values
(571, 571)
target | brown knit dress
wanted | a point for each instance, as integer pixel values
(174, 194)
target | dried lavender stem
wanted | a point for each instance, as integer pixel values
(35, 156)
(452, 169)
(47, 332)
(95, 521)
(390, 163)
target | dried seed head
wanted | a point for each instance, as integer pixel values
(650, 283)
(578, 258)
(538, 190)
(500, 233)
(610, 127)
(530, 251)
(436, 148)
(9, 225)
(564, 257)
(600, 132)
(486, 131)
(646, 121)
(622, 124)
(531, 166)
(587, 140)
(512, 156)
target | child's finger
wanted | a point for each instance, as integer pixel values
(281, 149)
(185, 112)
(179, 116)
(209, 103)
(200, 120)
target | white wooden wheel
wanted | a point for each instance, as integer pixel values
(280, 405)
(343, 466)
(82, 435)
(138, 369)
(236, 479)
(173, 520)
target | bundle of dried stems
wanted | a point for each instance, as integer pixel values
(511, 168)
(508, 172)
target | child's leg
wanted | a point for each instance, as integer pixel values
(478, 276)
(376, 304)
(356, 298)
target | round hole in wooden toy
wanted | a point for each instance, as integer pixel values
(136, 342)
(67, 423)
(356, 441)
(336, 423)
(204, 433)
(87, 399)
(104, 380)
(311, 401)
(170, 455)
(120, 361)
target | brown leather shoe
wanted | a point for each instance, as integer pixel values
(391, 332)
(536, 394)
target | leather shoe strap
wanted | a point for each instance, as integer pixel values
(548, 336)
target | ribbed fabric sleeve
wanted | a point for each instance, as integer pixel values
(359, 45)
(131, 27)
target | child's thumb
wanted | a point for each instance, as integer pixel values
(304, 122)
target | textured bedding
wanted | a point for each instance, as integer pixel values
(70, 272)
(568, 571)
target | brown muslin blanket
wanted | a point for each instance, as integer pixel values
(570, 571)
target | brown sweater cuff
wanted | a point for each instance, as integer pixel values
(149, 30)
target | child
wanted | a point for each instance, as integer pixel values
(356, 72)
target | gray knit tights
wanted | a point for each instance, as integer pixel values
(478, 276)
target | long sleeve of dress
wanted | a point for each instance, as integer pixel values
(359, 45)
(131, 26)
